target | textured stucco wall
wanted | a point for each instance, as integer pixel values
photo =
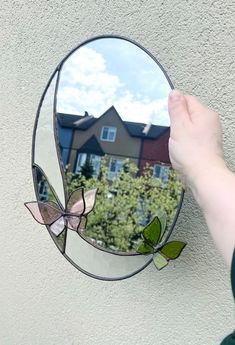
(43, 299)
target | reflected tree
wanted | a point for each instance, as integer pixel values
(126, 204)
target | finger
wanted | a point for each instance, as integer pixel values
(178, 110)
(195, 107)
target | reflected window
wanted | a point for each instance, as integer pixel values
(108, 133)
(65, 155)
(161, 172)
(95, 161)
(81, 160)
(89, 160)
(115, 165)
(43, 190)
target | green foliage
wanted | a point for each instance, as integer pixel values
(87, 170)
(126, 204)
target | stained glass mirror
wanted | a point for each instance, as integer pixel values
(104, 184)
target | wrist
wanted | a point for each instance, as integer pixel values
(202, 181)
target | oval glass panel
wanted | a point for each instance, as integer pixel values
(110, 128)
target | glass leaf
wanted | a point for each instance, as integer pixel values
(159, 261)
(145, 248)
(173, 249)
(152, 232)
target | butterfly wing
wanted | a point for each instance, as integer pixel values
(44, 212)
(77, 223)
(82, 224)
(90, 198)
(80, 204)
(73, 222)
(58, 226)
(76, 202)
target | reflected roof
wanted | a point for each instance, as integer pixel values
(92, 145)
(135, 129)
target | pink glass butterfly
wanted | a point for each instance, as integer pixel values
(74, 216)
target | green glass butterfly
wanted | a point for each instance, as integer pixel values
(152, 235)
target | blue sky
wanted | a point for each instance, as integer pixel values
(111, 71)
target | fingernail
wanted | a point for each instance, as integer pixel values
(175, 95)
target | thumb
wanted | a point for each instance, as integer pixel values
(178, 110)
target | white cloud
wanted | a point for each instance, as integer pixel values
(86, 85)
(136, 110)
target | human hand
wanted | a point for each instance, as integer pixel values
(195, 144)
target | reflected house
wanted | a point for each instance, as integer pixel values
(86, 139)
(155, 151)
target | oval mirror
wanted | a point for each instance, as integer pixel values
(100, 158)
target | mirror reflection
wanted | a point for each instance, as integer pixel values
(113, 130)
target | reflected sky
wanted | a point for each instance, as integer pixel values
(112, 71)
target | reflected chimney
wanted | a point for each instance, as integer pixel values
(147, 128)
(86, 117)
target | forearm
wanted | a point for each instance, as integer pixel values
(215, 194)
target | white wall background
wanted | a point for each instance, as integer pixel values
(43, 299)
